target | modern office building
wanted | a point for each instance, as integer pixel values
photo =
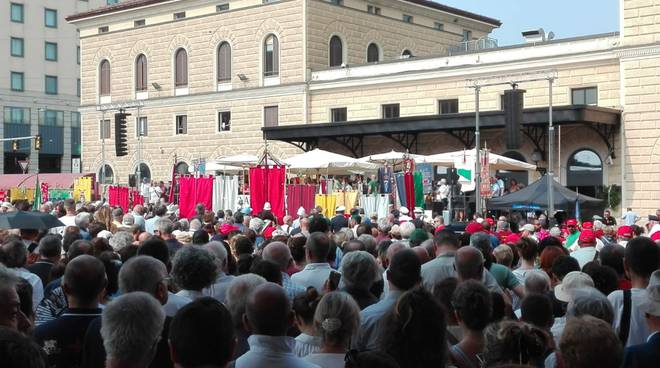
(40, 83)
(213, 78)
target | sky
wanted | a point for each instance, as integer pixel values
(566, 18)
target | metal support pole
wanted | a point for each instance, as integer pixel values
(477, 142)
(138, 182)
(551, 153)
(102, 150)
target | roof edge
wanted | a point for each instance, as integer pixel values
(457, 11)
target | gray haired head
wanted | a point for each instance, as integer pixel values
(131, 327)
(359, 270)
(480, 240)
(590, 301)
(218, 250)
(239, 289)
(194, 268)
(141, 273)
(121, 240)
(337, 318)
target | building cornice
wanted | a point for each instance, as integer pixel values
(639, 52)
(212, 97)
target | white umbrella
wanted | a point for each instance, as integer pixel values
(212, 167)
(238, 160)
(329, 161)
(497, 162)
(393, 157)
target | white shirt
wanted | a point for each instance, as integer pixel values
(584, 255)
(67, 220)
(639, 330)
(314, 274)
(271, 352)
(306, 344)
(325, 360)
(174, 303)
(218, 290)
(35, 282)
(191, 294)
(150, 224)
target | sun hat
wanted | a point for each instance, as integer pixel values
(572, 281)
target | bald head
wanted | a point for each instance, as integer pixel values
(469, 263)
(393, 249)
(84, 280)
(278, 253)
(268, 310)
(422, 254)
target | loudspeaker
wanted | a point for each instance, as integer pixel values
(513, 116)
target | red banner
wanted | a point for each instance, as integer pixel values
(485, 175)
(3, 196)
(44, 193)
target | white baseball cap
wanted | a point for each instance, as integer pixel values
(267, 206)
(301, 211)
(404, 210)
(572, 281)
(340, 209)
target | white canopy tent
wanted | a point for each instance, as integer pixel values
(213, 167)
(329, 162)
(497, 162)
(393, 157)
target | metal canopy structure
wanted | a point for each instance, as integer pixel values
(405, 130)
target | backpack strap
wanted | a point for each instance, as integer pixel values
(624, 326)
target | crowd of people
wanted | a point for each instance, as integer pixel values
(241, 289)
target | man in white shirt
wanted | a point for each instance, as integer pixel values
(70, 218)
(587, 248)
(317, 270)
(630, 217)
(268, 316)
(150, 224)
(280, 254)
(640, 261)
(219, 289)
(15, 258)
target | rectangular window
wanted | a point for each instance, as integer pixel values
(271, 116)
(224, 121)
(17, 115)
(390, 111)
(75, 119)
(112, 2)
(51, 118)
(51, 51)
(78, 55)
(139, 23)
(17, 47)
(179, 15)
(78, 87)
(584, 96)
(16, 11)
(221, 7)
(17, 81)
(337, 2)
(467, 35)
(407, 18)
(448, 106)
(51, 85)
(338, 114)
(373, 10)
(50, 18)
(104, 29)
(439, 26)
(141, 128)
(104, 129)
(182, 124)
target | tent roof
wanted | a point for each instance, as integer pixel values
(64, 180)
(536, 195)
(325, 160)
(497, 162)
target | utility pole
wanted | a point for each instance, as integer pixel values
(551, 152)
(477, 143)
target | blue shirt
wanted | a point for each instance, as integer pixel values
(370, 318)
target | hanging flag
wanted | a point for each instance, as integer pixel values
(37, 196)
(45, 197)
(170, 197)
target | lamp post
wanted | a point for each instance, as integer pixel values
(477, 155)
(551, 152)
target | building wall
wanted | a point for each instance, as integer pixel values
(640, 69)
(245, 30)
(34, 66)
(358, 29)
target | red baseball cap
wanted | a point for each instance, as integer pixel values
(473, 227)
(625, 232)
(490, 221)
(655, 236)
(587, 237)
(587, 225)
(512, 238)
(571, 222)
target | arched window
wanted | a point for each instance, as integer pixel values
(107, 177)
(336, 51)
(141, 73)
(145, 172)
(406, 54)
(585, 172)
(271, 56)
(104, 78)
(373, 54)
(182, 168)
(224, 62)
(181, 68)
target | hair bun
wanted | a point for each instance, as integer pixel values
(331, 324)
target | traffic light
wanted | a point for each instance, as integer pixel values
(121, 140)
(14, 145)
(37, 142)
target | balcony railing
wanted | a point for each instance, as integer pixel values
(473, 45)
